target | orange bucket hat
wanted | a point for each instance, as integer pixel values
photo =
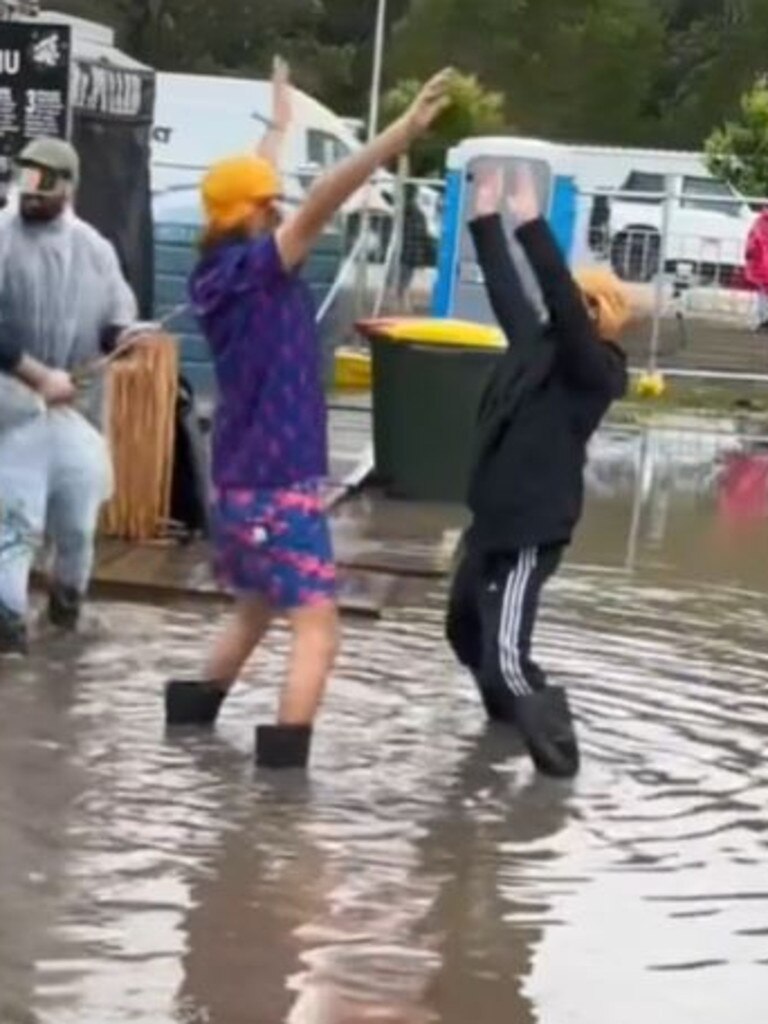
(608, 297)
(232, 187)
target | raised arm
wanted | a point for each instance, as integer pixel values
(297, 235)
(589, 362)
(514, 312)
(271, 144)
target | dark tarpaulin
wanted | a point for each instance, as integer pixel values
(113, 110)
(113, 114)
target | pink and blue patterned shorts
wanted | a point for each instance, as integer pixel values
(275, 544)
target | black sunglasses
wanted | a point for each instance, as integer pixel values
(48, 179)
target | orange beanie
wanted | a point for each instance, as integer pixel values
(232, 187)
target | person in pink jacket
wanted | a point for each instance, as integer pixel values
(756, 268)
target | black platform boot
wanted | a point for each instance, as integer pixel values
(64, 606)
(192, 703)
(283, 746)
(499, 703)
(546, 725)
(14, 638)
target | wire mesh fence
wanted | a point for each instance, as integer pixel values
(681, 252)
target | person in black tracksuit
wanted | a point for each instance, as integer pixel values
(545, 400)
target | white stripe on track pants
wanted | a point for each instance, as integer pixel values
(492, 614)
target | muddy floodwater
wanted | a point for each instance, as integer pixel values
(421, 872)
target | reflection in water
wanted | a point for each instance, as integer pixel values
(661, 874)
(679, 500)
(39, 783)
(250, 892)
(422, 873)
(485, 946)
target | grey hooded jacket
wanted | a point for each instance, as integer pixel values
(61, 286)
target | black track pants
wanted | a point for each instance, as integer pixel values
(491, 617)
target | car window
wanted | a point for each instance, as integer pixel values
(708, 194)
(324, 150)
(644, 181)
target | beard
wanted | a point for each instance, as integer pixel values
(40, 209)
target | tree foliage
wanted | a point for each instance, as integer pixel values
(473, 111)
(648, 72)
(738, 151)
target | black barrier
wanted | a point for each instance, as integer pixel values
(106, 106)
(34, 83)
(112, 127)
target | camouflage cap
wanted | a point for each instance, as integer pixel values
(54, 155)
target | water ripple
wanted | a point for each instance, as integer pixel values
(422, 872)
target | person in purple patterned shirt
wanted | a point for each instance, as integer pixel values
(272, 544)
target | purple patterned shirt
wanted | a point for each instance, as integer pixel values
(270, 429)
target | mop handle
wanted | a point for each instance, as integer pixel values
(138, 333)
(96, 366)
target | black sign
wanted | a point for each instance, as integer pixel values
(113, 93)
(34, 83)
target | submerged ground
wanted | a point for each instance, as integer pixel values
(421, 872)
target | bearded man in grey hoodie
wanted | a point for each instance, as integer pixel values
(63, 303)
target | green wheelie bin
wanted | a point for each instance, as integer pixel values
(427, 380)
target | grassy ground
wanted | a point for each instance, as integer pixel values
(700, 397)
(714, 398)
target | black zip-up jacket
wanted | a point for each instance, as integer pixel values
(544, 401)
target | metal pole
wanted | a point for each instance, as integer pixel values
(658, 301)
(395, 250)
(643, 467)
(378, 63)
(373, 127)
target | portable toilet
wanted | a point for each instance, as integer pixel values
(459, 292)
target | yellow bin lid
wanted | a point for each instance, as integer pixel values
(434, 331)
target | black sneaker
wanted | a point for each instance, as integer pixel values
(546, 724)
(14, 638)
(283, 746)
(192, 703)
(64, 606)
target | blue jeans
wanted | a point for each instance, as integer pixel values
(55, 474)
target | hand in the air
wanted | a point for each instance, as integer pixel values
(282, 102)
(523, 200)
(489, 191)
(433, 99)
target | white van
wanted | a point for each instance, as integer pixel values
(200, 119)
(709, 222)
